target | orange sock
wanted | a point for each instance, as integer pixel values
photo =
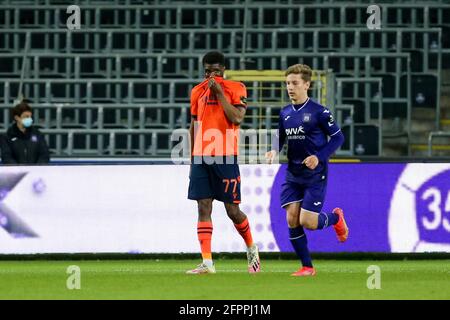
(244, 230)
(204, 233)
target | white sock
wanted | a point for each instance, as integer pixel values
(208, 262)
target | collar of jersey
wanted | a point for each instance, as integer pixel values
(306, 102)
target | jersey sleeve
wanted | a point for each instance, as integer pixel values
(327, 123)
(239, 96)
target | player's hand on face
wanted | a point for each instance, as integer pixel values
(213, 85)
(311, 162)
(270, 156)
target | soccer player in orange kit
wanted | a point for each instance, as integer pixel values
(217, 109)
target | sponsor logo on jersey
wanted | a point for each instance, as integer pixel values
(292, 131)
(307, 117)
(295, 133)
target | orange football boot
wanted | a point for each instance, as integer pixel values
(340, 227)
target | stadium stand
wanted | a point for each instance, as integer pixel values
(121, 83)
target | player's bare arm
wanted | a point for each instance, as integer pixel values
(191, 133)
(233, 113)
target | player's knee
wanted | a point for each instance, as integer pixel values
(292, 220)
(233, 211)
(292, 223)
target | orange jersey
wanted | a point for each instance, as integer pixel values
(215, 135)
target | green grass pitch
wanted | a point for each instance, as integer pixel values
(165, 279)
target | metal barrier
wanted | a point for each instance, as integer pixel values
(355, 64)
(321, 84)
(228, 14)
(129, 116)
(369, 98)
(145, 141)
(172, 91)
(431, 136)
(131, 91)
(188, 65)
(349, 121)
(425, 41)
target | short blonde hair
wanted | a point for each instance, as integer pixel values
(302, 69)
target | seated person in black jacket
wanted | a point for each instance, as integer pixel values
(23, 143)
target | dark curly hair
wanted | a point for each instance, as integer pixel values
(214, 57)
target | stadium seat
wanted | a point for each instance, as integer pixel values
(365, 139)
(417, 61)
(424, 90)
(359, 109)
(131, 56)
(389, 85)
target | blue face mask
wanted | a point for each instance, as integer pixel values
(27, 122)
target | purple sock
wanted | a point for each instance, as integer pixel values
(300, 243)
(326, 220)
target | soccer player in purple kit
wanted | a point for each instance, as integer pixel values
(306, 125)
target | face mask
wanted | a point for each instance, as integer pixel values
(27, 122)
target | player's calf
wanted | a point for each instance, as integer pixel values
(308, 219)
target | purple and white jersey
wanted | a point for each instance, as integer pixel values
(305, 128)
